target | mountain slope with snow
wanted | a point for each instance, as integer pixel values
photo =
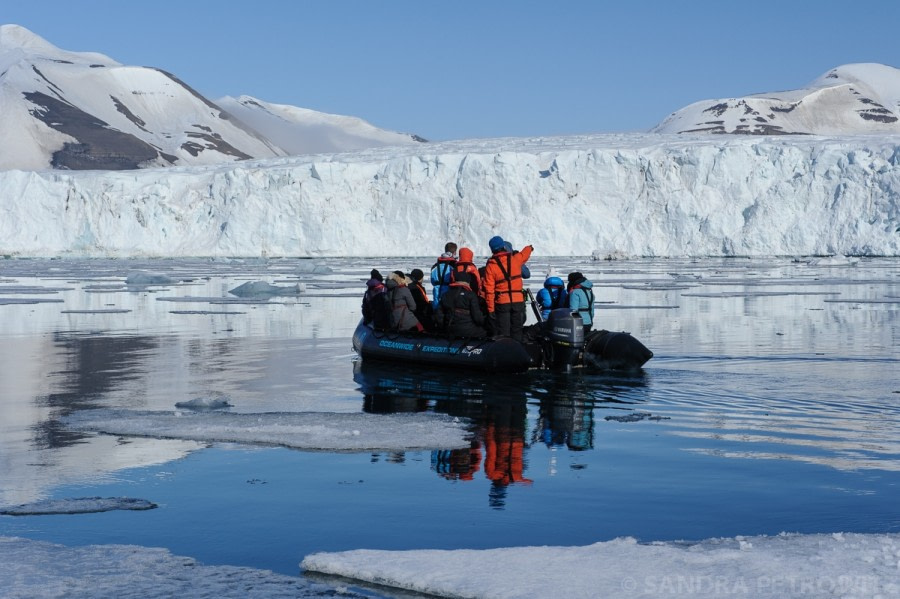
(82, 110)
(75, 110)
(620, 195)
(304, 131)
(848, 100)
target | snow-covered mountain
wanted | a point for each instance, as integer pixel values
(848, 100)
(304, 131)
(79, 110)
(616, 195)
(82, 110)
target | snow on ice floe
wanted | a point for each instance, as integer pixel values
(28, 300)
(311, 268)
(32, 290)
(303, 430)
(204, 403)
(263, 289)
(98, 311)
(782, 566)
(885, 300)
(189, 299)
(205, 312)
(81, 505)
(148, 278)
(37, 570)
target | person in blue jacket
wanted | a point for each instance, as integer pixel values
(552, 296)
(581, 298)
(442, 273)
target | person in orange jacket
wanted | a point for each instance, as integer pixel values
(503, 290)
(465, 264)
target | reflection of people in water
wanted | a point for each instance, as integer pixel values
(500, 438)
(562, 422)
(457, 464)
(500, 421)
(504, 448)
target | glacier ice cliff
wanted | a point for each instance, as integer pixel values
(618, 195)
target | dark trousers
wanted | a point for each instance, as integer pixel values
(510, 319)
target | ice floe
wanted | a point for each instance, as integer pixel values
(306, 430)
(263, 289)
(148, 278)
(782, 566)
(80, 505)
(37, 570)
(204, 403)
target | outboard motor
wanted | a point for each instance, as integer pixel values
(563, 339)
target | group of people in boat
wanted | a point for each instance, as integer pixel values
(468, 301)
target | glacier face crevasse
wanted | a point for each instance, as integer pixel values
(639, 195)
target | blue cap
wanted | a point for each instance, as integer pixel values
(496, 243)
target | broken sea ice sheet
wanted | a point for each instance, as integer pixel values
(780, 566)
(204, 403)
(81, 505)
(299, 430)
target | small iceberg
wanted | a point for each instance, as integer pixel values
(834, 261)
(263, 289)
(140, 277)
(82, 505)
(204, 403)
(313, 431)
(313, 269)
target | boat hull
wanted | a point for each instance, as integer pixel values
(602, 350)
(500, 354)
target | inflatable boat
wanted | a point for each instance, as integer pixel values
(559, 343)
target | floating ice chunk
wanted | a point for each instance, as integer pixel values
(32, 290)
(40, 569)
(786, 565)
(28, 300)
(306, 430)
(263, 289)
(204, 403)
(140, 277)
(82, 505)
(98, 311)
(834, 261)
(308, 268)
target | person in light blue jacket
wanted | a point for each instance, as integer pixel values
(442, 273)
(552, 296)
(581, 298)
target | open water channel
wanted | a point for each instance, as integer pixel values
(772, 404)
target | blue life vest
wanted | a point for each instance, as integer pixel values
(552, 296)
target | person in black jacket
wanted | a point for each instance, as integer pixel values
(376, 306)
(459, 313)
(424, 312)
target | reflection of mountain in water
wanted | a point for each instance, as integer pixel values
(498, 409)
(93, 366)
(61, 374)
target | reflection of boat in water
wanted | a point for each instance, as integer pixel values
(558, 343)
(498, 415)
(498, 409)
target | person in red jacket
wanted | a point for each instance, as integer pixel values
(465, 264)
(503, 292)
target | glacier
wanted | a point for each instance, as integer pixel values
(606, 195)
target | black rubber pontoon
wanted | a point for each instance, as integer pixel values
(500, 354)
(559, 343)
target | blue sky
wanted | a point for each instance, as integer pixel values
(460, 69)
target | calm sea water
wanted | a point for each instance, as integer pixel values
(772, 404)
